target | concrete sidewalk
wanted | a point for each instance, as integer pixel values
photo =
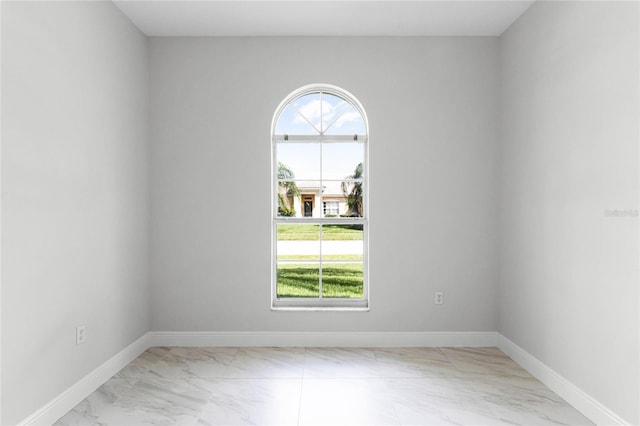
(313, 247)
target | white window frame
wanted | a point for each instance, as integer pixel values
(320, 303)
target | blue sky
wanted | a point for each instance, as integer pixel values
(310, 115)
(320, 113)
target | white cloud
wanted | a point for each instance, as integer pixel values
(348, 117)
(312, 112)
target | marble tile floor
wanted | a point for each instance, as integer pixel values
(323, 386)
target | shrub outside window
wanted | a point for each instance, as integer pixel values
(319, 203)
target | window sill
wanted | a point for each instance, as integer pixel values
(319, 308)
(358, 305)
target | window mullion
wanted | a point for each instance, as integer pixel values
(291, 138)
(321, 116)
(321, 199)
(305, 118)
(320, 266)
(274, 177)
(335, 120)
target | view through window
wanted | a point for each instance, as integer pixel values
(319, 147)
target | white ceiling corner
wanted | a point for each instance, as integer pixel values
(323, 17)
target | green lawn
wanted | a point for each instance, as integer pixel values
(302, 280)
(292, 232)
(339, 280)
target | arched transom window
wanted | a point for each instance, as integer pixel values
(320, 210)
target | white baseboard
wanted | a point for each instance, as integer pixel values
(587, 405)
(324, 339)
(68, 399)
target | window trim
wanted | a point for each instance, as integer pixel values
(314, 304)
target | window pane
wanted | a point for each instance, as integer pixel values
(333, 237)
(291, 123)
(302, 160)
(333, 108)
(288, 200)
(351, 202)
(300, 198)
(342, 160)
(298, 260)
(298, 239)
(342, 280)
(309, 110)
(342, 256)
(349, 123)
(298, 279)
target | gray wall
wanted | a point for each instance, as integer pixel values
(74, 195)
(569, 274)
(431, 104)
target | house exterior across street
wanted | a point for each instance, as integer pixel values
(317, 201)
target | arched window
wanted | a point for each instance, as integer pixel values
(320, 210)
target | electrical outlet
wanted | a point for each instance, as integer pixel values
(81, 334)
(439, 298)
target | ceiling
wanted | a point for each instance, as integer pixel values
(323, 17)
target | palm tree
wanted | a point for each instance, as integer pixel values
(353, 191)
(286, 191)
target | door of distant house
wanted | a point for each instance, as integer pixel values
(308, 205)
